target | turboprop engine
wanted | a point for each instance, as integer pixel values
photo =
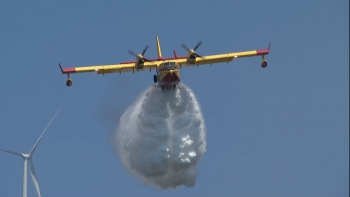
(140, 58)
(192, 55)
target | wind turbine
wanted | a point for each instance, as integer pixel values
(28, 157)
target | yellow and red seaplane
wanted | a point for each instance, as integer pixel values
(167, 69)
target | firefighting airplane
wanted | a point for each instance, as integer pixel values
(167, 69)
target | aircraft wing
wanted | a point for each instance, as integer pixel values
(220, 58)
(113, 68)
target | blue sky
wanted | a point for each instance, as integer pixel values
(278, 131)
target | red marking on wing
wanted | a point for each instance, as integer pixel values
(158, 59)
(68, 70)
(263, 51)
(172, 58)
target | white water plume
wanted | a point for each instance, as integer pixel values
(161, 137)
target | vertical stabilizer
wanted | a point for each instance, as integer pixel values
(158, 49)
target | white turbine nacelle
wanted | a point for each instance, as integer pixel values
(27, 157)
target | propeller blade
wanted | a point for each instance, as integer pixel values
(132, 53)
(185, 47)
(36, 144)
(11, 152)
(197, 55)
(35, 181)
(199, 44)
(144, 50)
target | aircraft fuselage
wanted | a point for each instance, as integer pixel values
(168, 75)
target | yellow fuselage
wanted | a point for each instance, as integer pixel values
(168, 77)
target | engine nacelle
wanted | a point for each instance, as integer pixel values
(191, 58)
(192, 55)
(69, 82)
(264, 64)
(140, 63)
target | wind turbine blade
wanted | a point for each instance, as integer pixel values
(11, 152)
(34, 147)
(35, 181)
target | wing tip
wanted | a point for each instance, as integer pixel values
(264, 51)
(66, 70)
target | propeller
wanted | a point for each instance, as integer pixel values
(144, 50)
(140, 56)
(193, 51)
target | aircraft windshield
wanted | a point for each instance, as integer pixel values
(169, 65)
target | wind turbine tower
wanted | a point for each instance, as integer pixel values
(28, 157)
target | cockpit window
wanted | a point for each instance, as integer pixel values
(169, 65)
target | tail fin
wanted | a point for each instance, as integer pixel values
(158, 49)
